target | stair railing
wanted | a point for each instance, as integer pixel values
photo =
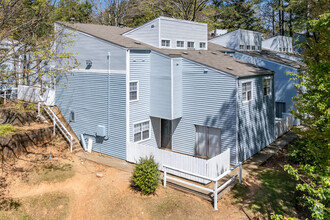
(56, 121)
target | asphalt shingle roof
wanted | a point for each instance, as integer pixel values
(213, 57)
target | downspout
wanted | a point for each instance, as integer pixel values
(237, 118)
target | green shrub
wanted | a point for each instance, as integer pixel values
(146, 176)
(6, 129)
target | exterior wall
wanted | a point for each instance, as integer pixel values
(256, 119)
(284, 88)
(275, 43)
(207, 99)
(96, 99)
(174, 30)
(139, 111)
(230, 40)
(147, 33)
(86, 47)
(177, 88)
(160, 85)
(239, 37)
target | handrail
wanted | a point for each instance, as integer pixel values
(57, 122)
(214, 180)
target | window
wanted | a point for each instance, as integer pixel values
(166, 43)
(280, 49)
(248, 47)
(246, 91)
(190, 44)
(202, 45)
(241, 47)
(266, 87)
(290, 49)
(280, 109)
(253, 47)
(133, 91)
(71, 116)
(284, 49)
(141, 131)
(259, 47)
(180, 43)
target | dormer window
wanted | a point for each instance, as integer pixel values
(180, 43)
(191, 44)
(202, 45)
(166, 43)
(248, 47)
(241, 47)
(253, 47)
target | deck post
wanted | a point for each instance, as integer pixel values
(164, 183)
(215, 196)
(240, 172)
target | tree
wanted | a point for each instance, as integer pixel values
(80, 11)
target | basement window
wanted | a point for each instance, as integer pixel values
(246, 91)
(166, 43)
(134, 91)
(191, 44)
(141, 131)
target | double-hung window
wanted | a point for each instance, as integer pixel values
(253, 47)
(241, 47)
(246, 91)
(202, 45)
(259, 47)
(248, 47)
(191, 44)
(141, 131)
(134, 91)
(180, 43)
(267, 87)
(166, 43)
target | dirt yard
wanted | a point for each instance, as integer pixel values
(67, 187)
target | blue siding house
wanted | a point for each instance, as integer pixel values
(165, 87)
(276, 56)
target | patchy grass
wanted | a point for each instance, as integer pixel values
(50, 173)
(6, 129)
(44, 206)
(269, 191)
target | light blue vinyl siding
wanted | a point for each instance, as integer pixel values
(177, 87)
(207, 99)
(256, 119)
(96, 102)
(160, 86)
(139, 111)
(86, 47)
(284, 88)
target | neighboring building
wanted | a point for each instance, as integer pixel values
(241, 40)
(193, 102)
(218, 32)
(283, 64)
(278, 44)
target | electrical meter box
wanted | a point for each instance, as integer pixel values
(100, 131)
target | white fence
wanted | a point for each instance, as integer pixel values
(284, 124)
(211, 168)
(31, 94)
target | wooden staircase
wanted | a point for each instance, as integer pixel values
(76, 146)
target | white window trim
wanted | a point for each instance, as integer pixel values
(193, 42)
(184, 44)
(140, 122)
(200, 45)
(165, 46)
(252, 96)
(270, 85)
(137, 91)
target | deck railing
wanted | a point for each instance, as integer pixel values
(215, 181)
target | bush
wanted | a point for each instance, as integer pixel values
(6, 129)
(146, 176)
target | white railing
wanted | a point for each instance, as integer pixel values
(210, 168)
(56, 122)
(284, 124)
(215, 189)
(32, 94)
